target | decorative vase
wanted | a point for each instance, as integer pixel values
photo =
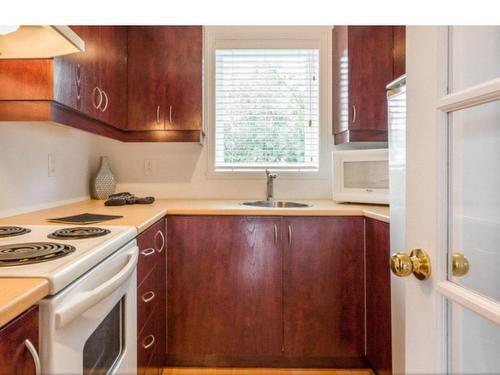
(104, 183)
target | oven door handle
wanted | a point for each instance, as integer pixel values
(84, 301)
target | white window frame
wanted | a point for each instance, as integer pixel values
(319, 37)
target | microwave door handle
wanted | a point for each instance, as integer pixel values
(84, 301)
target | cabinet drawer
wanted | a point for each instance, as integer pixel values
(147, 342)
(16, 338)
(148, 297)
(152, 244)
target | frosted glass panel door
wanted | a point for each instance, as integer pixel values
(475, 196)
(475, 55)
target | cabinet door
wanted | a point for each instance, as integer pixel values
(378, 297)
(370, 70)
(75, 75)
(224, 290)
(15, 357)
(112, 75)
(183, 67)
(147, 53)
(324, 290)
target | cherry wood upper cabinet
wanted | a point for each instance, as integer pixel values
(165, 77)
(399, 36)
(324, 291)
(17, 340)
(362, 67)
(94, 82)
(378, 297)
(224, 290)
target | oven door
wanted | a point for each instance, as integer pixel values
(90, 327)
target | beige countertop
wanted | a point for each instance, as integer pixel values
(142, 216)
(19, 294)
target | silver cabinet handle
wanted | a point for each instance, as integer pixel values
(34, 355)
(147, 252)
(145, 343)
(106, 101)
(275, 233)
(354, 113)
(98, 104)
(170, 115)
(78, 82)
(289, 234)
(148, 296)
(160, 233)
(202, 137)
(158, 114)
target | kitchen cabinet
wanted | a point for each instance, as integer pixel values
(362, 67)
(94, 82)
(18, 345)
(151, 299)
(224, 290)
(378, 296)
(324, 290)
(399, 40)
(266, 291)
(165, 78)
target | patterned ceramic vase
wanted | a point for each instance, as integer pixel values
(104, 183)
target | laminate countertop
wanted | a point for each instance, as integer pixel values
(142, 216)
(18, 294)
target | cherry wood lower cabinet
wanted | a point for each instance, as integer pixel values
(151, 295)
(225, 290)
(378, 296)
(15, 339)
(324, 291)
(265, 291)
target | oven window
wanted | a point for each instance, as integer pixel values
(366, 174)
(105, 346)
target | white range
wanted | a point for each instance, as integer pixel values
(88, 322)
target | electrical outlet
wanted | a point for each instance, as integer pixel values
(51, 164)
(149, 167)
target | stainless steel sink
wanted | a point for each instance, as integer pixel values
(276, 204)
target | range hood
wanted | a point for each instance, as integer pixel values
(38, 42)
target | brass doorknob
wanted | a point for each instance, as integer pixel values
(459, 264)
(418, 263)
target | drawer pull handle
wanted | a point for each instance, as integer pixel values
(147, 252)
(160, 233)
(146, 344)
(34, 355)
(148, 296)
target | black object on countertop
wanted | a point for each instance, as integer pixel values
(121, 199)
(85, 218)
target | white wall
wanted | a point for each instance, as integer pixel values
(181, 173)
(24, 181)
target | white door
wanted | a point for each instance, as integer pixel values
(450, 322)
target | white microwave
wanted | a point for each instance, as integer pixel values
(361, 176)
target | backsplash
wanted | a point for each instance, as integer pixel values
(25, 184)
(180, 171)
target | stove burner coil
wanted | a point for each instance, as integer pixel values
(11, 231)
(32, 252)
(78, 233)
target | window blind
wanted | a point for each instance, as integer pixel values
(266, 109)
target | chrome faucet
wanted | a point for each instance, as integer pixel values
(270, 184)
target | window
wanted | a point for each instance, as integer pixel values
(265, 100)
